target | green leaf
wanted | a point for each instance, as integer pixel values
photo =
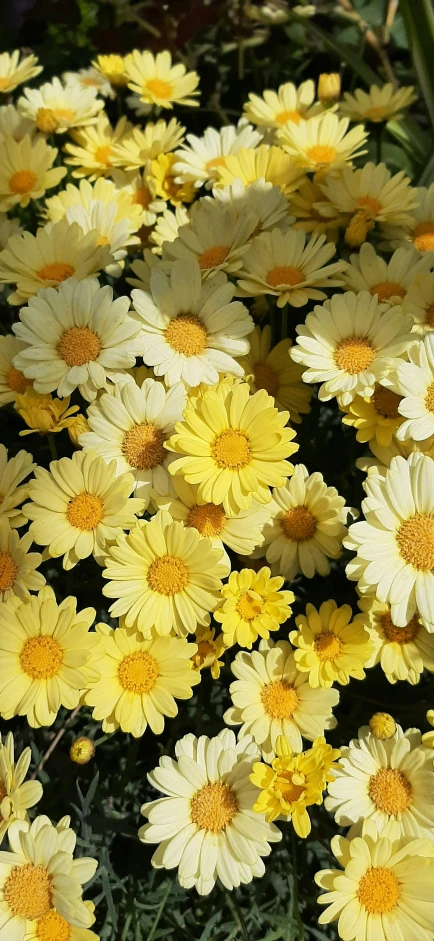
(419, 23)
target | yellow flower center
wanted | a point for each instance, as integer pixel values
(89, 82)
(378, 890)
(204, 649)
(377, 113)
(65, 114)
(138, 672)
(186, 334)
(41, 657)
(167, 575)
(387, 289)
(289, 791)
(399, 635)
(52, 927)
(79, 345)
(299, 524)
(23, 181)
(423, 237)
(284, 275)
(4, 82)
(369, 203)
(415, 539)
(27, 891)
(216, 162)
(266, 378)
(103, 240)
(208, 519)
(102, 155)
(358, 228)
(354, 355)
(328, 646)
(213, 807)
(17, 381)
(386, 402)
(57, 271)
(249, 607)
(279, 699)
(284, 116)
(159, 88)
(429, 316)
(390, 791)
(429, 398)
(321, 154)
(46, 120)
(143, 447)
(231, 449)
(85, 511)
(8, 571)
(213, 256)
(142, 197)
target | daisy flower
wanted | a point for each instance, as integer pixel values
(209, 649)
(166, 229)
(44, 414)
(271, 697)
(395, 546)
(112, 67)
(158, 82)
(141, 188)
(76, 336)
(379, 460)
(18, 575)
(12, 381)
(379, 105)
(419, 302)
(271, 368)
(56, 107)
(139, 680)
(414, 381)
(143, 144)
(252, 605)
(116, 235)
(271, 164)
(14, 72)
(143, 267)
(53, 925)
(384, 886)
(17, 794)
(90, 78)
(306, 527)
(266, 201)
(331, 647)
(419, 227)
(93, 147)
(164, 576)
(322, 142)
(288, 103)
(205, 823)
(376, 418)
(166, 185)
(45, 657)
(191, 331)
(51, 256)
(282, 265)
(350, 344)
(217, 236)
(307, 207)
(12, 123)
(12, 489)
(403, 652)
(26, 171)
(383, 781)
(200, 158)
(390, 281)
(233, 445)
(131, 426)
(79, 506)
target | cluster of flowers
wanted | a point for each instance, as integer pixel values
(182, 469)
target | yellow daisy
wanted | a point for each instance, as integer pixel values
(166, 229)
(102, 191)
(166, 186)
(271, 164)
(143, 144)
(17, 794)
(158, 82)
(14, 72)
(209, 649)
(375, 418)
(378, 461)
(331, 646)
(117, 236)
(418, 227)
(93, 147)
(403, 652)
(45, 657)
(307, 206)
(266, 201)
(252, 605)
(199, 160)
(44, 414)
(12, 489)
(391, 280)
(12, 381)
(272, 369)
(379, 105)
(26, 171)
(139, 680)
(56, 108)
(113, 68)
(234, 445)
(18, 575)
(216, 236)
(419, 302)
(288, 103)
(52, 926)
(141, 187)
(323, 142)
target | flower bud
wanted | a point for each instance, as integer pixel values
(82, 750)
(382, 726)
(329, 86)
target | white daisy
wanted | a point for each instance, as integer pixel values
(216, 236)
(200, 158)
(415, 382)
(116, 234)
(266, 201)
(56, 107)
(90, 78)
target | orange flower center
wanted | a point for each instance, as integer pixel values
(279, 699)
(354, 354)
(415, 539)
(299, 524)
(41, 657)
(85, 511)
(386, 402)
(52, 927)
(390, 791)
(289, 791)
(423, 237)
(186, 334)
(399, 635)
(213, 256)
(284, 275)
(429, 316)
(216, 162)
(429, 398)
(17, 381)
(142, 197)
(321, 154)
(102, 155)
(23, 181)
(56, 271)
(143, 447)
(213, 807)
(159, 88)
(208, 519)
(8, 571)
(266, 378)
(387, 289)
(327, 646)
(378, 891)
(78, 346)
(284, 116)
(249, 607)
(370, 203)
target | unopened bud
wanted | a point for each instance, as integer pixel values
(82, 750)
(382, 726)
(329, 86)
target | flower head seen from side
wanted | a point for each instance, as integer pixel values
(17, 794)
(288, 103)
(93, 147)
(26, 171)
(376, 418)
(90, 78)
(79, 506)
(391, 280)
(140, 189)
(331, 646)
(209, 649)
(158, 82)
(270, 368)
(164, 576)
(14, 71)
(240, 452)
(312, 213)
(43, 414)
(217, 237)
(143, 144)
(13, 490)
(191, 331)
(18, 566)
(419, 302)
(271, 697)
(351, 343)
(270, 164)
(207, 808)
(113, 68)
(323, 142)
(414, 382)
(139, 680)
(76, 336)
(45, 657)
(12, 381)
(403, 652)
(252, 605)
(379, 105)
(199, 160)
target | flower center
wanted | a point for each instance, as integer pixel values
(231, 449)
(17, 381)
(187, 335)
(41, 657)
(167, 575)
(8, 571)
(279, 699)
(321, 154)
(213, 256)
(266, 378)
(429, 316)
(46, 120)
(65, 114)
(354, 355)
(299, 524)
(57, 271)
(85, 511)
(142, 197)
(284, 275)
(216, 162)
(289, 791)
(387, 289)
(79, 345)
(429, 398)
(284, 116)
(213, 807)
(138, 672)
(4, 81)
(23, 181)
(204, 649)
(52, 927)
(386, 402)
(27, 891)
(143, 447)
(415, 539)
(159, 88)
(249, 607)
(208, 519)
(423, 237)
(328, 646)
(390, 791)
(378, 890)
(370, 203)
(375, 114)
(103, 154)
(399, 635)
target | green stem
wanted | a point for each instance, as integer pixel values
(238, 915)
(52, 446)
(159, 912)
(295, 902)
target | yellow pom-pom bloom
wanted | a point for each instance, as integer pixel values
(331, 647)
(252, 606)
(376, 417)
(113, 68)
